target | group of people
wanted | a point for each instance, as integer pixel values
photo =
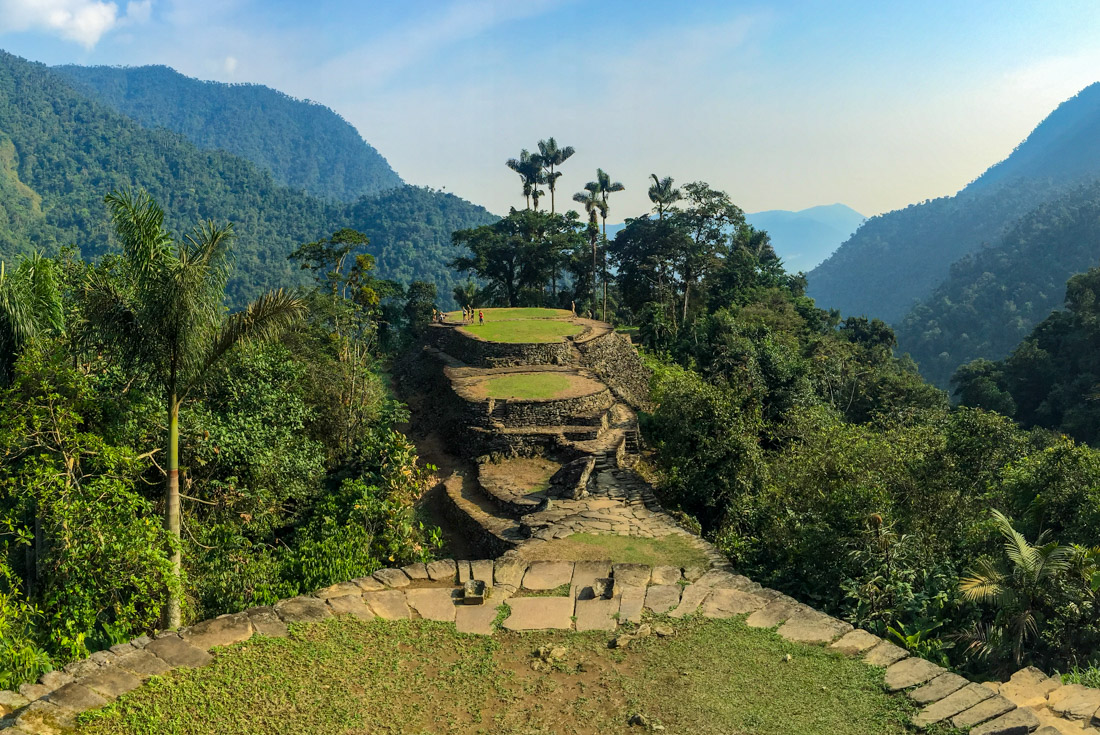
(467, 315)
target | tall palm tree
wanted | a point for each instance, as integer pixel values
(606, 188)
(30, 303)
(1015, 588)
(529, 168)
(551, 155)
(165, 317)
(662, 194)
(593, 204)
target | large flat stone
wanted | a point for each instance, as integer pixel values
(482, 571)
(416, 572)
(76, 697)
(952, 704)
(444, 570)
(143, 664)
(690, 600)
(666, 575)
(56, 679)
(302, 610)
(178, 653)
(436, 603)
(1029, 687)
(855, 642)
(266, 622)
(540, 613)
(1017, 721)
(726, 603)
(368, 584)
(585, 573)
(938, 688)
(1075, 702)
(351, 605)
(44, 718)
(813, 627)
(910, 672)
(477, 619)
(631, 602)
(631, 575)
(111, 682)
(773, 614)
(394, 578)
(993, 707)
(339, 590)
(597, 614)
(660, 598)
(884, 654)
(221, 631)
(388, 604)
(547, 575)
(11, 701)
(509, 571)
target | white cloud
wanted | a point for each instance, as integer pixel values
(229, 65)
(83, 21)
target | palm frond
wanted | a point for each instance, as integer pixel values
(139, 224)
(265, 318)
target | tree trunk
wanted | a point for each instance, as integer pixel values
(172, 513)
(593, 289)
(687, 290)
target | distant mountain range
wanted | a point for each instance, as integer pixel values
(63, 147)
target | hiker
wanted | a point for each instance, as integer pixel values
(481, 317)
(433, 314)
(470, 313)
(573, 307)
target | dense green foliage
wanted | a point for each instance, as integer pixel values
(992, 299)
(292, 476)
(302, 144)
(60, 151)
(897, 259)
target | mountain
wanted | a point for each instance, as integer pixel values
(302, 144)
(992, 299)
(62, 151)
(897, 259)
(806, 237)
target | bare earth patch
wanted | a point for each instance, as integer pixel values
(520, 475)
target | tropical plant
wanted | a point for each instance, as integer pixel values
(607, 187)
(594, 205)
(663, 194)
(30, 303)
(550, 156)
(529, 168)
(165, 318)
(1016, 589)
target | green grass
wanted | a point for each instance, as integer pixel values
(673, 550)
(523, 331)
(347, 676)
(518, 313)
(527, 385)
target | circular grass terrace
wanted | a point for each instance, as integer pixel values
(519, 331)
(512, 313)
(536, 386)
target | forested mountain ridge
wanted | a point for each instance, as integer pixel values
(61, 152)
(897, 259)
(805, 238)
(993, 298)
(303, 145)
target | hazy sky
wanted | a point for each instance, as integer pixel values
(784, 105)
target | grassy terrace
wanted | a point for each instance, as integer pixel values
(348, 676)
(528, 385)
(496, 315)
(672, 550)
(523, 330)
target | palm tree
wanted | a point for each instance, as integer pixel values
(30, 303)
(552, 156)
(662, 194)
(1016, 588)
(529, 168)
(593, 204)
(606, 188)
(165, 318)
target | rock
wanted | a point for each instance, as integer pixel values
(952, 704)
(726, 603)
(111, 682)
(463, 568)
(178, 653)
(32, 692)
(44, 718)
(482, 571)
(910, 672)
(571, 481)
(266, 622)
(393, 578)
(631, 575)
(76, 698)
(813, 627)
(638, 720)
(416, 572)
(993, 707)
(597, 614)
(368, 584)
(474, 592)
(1029, 687)
(433, 604)
(666, 575)
(540, 613)
(551, 654)
(1075, 702)
(351, 605)
(605, 588)
(585, 574)
(12, 700)
(143, 664)
(631, 602)
(1017, 722)
(388, 604)
(663, 631)
(884, 654)
(693, 573)
(660, 598)
(548, 575)
(444, 570)
(302, 610)
(476, 619)
(938, 688)
(221, 631)
(83, 667)
(774, 613)
(509, 571)
(690, 600)
(339, 590)
(855, 642)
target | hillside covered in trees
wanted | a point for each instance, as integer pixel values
(303, 145)
(61, 151)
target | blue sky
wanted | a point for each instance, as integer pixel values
(784, 105)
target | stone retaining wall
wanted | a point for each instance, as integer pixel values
(480, 353)
(614, 358)
(548, 412)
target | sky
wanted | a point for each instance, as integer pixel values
(784, 105)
